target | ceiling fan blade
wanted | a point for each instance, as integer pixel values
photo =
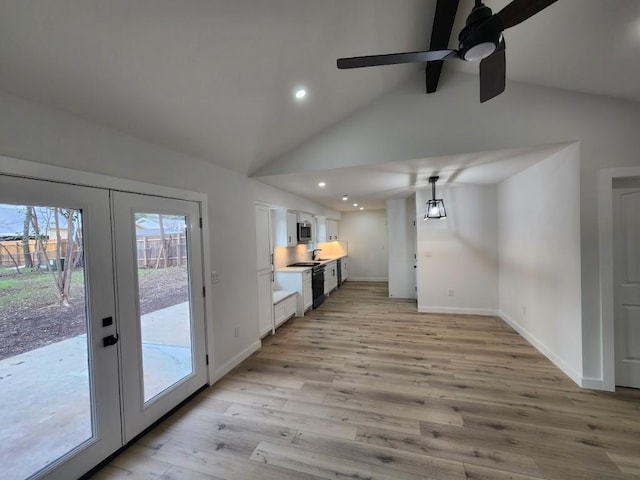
(492, 74)
(443, 19)
(520, 10)
(395, 58)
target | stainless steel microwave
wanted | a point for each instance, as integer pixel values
(304, 232)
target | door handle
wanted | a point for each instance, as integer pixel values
(110, 340)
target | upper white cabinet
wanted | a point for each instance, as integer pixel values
(292, 229)
(285, 228)
(332, 230)
(326, 230)
(305, 218)
(321, 229)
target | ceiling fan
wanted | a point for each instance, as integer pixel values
(480, 40)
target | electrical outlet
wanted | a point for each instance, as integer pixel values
(427, 254)
(236, 332)
(451, 292)
(214, 277)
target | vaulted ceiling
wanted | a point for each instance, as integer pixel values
(215, 78)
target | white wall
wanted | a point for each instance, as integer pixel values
(406, 124)
(366, 235)
(539, 212)
(32, 132)
(401, 239)
(459, 252)
(262, 192)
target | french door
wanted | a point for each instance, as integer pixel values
(101, 321)
(163, 348)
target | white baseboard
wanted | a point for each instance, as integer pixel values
(457, 311)
(220, 372)
(594, 384)
(542, 348)
(368, 279)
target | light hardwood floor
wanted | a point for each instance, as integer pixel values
(367, 388)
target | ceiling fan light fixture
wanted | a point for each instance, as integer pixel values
(435, 206)
(480, 51)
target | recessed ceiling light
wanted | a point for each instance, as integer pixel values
(345, 197)
(361, 208)
(300, 94)
(322, 184)
(355, 204)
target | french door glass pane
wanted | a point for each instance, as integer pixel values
(45, 393)
(165, 310)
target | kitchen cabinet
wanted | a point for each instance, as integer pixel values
(332, 230)
(264, 251)
(300, 282)
(307, 291)
(264, 268)
(284, 306)
(344, 272)
(265, 303)
(285, 228)
(330, 277)
(321, 229)
(305, 217)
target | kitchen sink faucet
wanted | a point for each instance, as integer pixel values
(313, 254)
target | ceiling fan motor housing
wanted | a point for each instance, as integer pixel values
(477, 43)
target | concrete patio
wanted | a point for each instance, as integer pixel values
(44, 394)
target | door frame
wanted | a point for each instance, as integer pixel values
(605, 236)
(40, 171)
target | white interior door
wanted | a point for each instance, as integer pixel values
(59, 391)
(626, 224)
(162, 323)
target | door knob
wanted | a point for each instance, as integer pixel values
(110, 340)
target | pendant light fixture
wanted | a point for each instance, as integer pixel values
(435, 206)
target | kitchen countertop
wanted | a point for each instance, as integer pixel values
(302, 269)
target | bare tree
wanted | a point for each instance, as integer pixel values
(26, 252)
(163, 245)
(61, 274)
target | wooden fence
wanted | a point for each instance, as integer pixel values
(12, 252)
(150, 252)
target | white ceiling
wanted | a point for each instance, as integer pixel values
(370, 186)
(214, 78)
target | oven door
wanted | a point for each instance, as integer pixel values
(317, 286)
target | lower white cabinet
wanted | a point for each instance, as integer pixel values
(284, 306)
(330, 277)
(265, 303)
(307, 292)
(300, 282)
(344, 270)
